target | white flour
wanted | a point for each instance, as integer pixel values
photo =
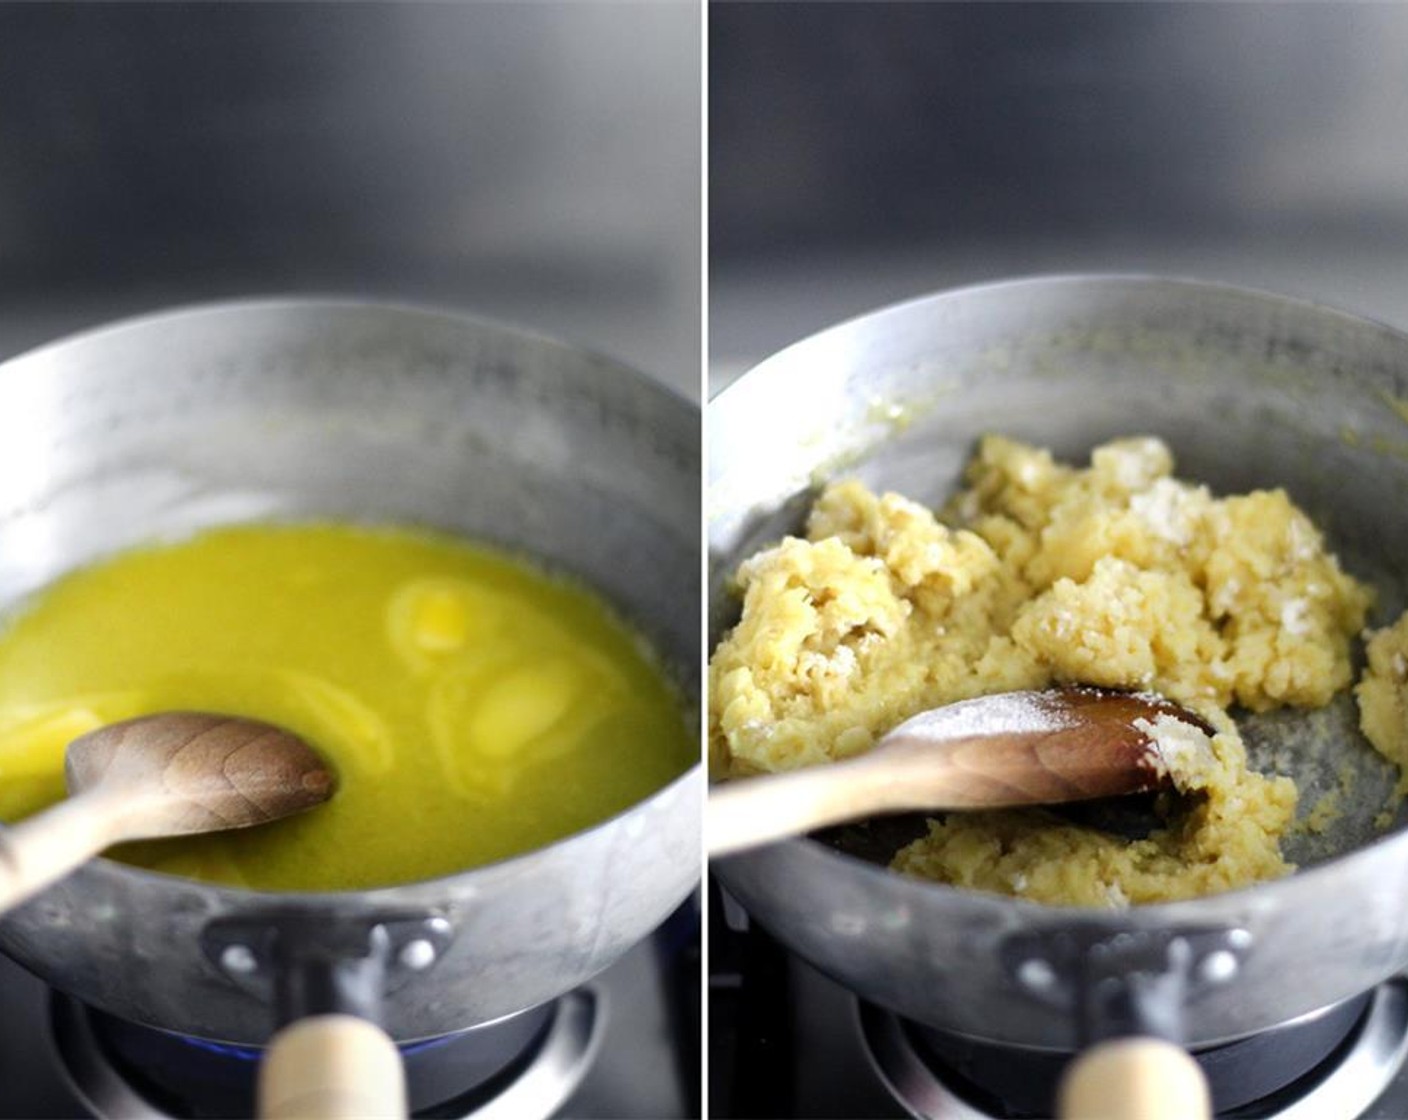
(1002, 714)
(1185, 750)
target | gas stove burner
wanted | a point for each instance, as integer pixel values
(523, 1067)
(1334, 1062)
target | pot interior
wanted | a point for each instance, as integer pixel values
(285, 411)
(1250, 391)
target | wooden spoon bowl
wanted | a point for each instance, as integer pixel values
(172, 774)
(188, 772)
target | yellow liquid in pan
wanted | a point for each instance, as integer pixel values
(473, 707)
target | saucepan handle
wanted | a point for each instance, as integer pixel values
(1134, 1079)
(325, 977)
(332, 1067)
(1127, 991)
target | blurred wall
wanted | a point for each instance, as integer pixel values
(864, 152)
(535, 162)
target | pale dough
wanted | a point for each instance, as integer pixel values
(1038, 573)
(1383, 696)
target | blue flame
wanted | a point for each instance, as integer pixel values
(254, 1053)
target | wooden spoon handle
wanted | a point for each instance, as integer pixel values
(46, 847)
(907, 772)
(1002, 751)
(1134, 1079)
(753, 811)
(332, 1067)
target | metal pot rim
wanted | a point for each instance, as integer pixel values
(1060, 280)
(1317, 880)
(338, 305)
(393, 893)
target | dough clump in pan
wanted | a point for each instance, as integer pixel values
(1383, 696)
(1035, 574)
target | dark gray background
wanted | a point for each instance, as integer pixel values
(863, 153)
(538, 163)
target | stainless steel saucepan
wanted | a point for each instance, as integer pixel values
(377, 414)
(1249, 390)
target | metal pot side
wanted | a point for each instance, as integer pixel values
(292, 409)
(1250, 390)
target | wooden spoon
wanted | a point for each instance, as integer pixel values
(1006, 750)
(181, 773)
(172, 774)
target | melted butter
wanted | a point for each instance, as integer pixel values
(474, 707)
